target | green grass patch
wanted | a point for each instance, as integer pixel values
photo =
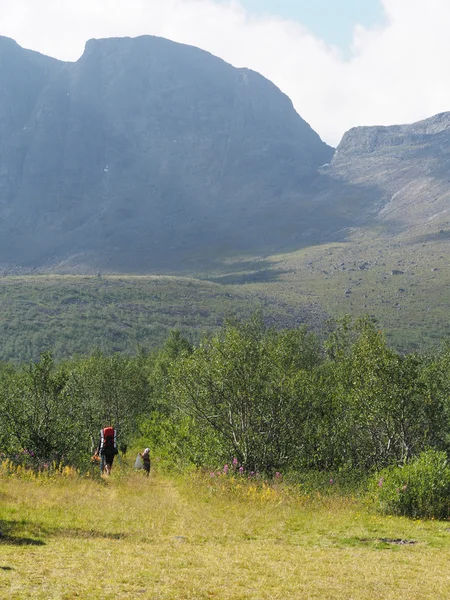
(198, 536)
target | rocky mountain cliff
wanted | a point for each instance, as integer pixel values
(404, 170)
(147, 154)
(23, 77)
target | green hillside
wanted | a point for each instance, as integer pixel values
(74, 315)
(403, 282)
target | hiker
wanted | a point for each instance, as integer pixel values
(146, 460)
(107, 449)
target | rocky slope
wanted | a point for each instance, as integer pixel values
(405, 172)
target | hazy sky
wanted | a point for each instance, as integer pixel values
(342, 62)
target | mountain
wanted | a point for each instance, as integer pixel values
(23, 77)
(404, 171)
(147, 155)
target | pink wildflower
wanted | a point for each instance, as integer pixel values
(225, 469)
(380, 482)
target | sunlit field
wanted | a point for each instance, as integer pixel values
(204, 536)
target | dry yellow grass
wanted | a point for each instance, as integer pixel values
(195, 538)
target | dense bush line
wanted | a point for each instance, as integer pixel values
(419, 489)
(273, 400)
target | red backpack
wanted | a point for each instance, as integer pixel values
(108, 438)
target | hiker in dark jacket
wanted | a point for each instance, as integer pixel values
(107, 449)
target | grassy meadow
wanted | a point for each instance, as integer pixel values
(196, 536)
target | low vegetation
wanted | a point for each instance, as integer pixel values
(70, 315)
(286, 464)
(419, 489)
(401, 282)
(197, 536)
(271, 401)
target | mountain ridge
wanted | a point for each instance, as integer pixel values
(140, 130)
(146, 155)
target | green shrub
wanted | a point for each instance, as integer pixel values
(419, 489)
(179, 442)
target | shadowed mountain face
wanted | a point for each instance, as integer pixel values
(148, 155)
(23, 77)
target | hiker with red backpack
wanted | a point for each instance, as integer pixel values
(107, 449)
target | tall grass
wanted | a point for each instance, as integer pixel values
(196, 536)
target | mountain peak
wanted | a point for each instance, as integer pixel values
(7, 41)
(142, 43)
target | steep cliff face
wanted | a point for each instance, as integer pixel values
(23, 77)
(146, 153)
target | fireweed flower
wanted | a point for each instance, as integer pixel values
(212, 474)
(235, 462)
(225, 469)
(241, 469)
(380, 482)
(331, 481)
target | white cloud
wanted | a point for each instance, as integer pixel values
(396, 73)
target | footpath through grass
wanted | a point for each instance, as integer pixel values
(208, 537)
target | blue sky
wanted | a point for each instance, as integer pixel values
(331, 20)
